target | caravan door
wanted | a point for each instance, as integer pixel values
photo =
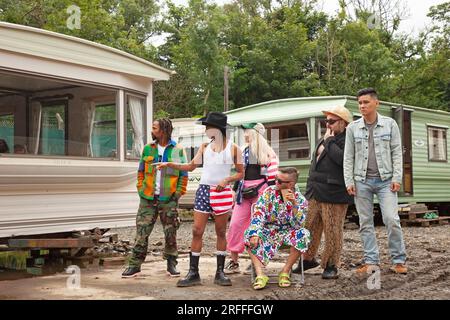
(403, 118)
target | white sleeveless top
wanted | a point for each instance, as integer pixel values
(216, 165)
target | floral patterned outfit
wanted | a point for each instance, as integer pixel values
(274, 222)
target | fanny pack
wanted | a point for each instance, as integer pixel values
(251, 192)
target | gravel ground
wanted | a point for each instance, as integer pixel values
(428, 276)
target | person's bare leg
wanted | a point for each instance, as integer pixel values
(198, 228)
(234, 256)
(294, 254)
(256, 264)
(221, 229)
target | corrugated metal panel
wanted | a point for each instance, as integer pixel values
(431, 179)
(51, 213)
(44, 195)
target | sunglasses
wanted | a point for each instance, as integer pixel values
(331, 121)
(282, 181)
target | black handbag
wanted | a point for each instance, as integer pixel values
(252, 192)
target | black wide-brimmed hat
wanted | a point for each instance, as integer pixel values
(215, 119)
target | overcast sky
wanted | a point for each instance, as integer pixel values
(417, 20)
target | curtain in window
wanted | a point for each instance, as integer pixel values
(436, 144)
(36, 114)
(88, 108)
(136, 107)
(440, 141)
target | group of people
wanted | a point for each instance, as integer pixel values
(352, 161)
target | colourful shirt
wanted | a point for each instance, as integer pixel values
(271, 212)
(173, 182)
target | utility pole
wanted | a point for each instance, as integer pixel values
(226, 72)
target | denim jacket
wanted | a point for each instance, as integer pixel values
(388, 150)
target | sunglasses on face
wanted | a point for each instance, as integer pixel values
(331, 121)
(282, 181)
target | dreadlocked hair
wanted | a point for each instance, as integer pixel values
(166, 126)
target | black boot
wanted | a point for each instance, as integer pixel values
(193, 277)
(330, 272)
(220, 278)
(131, 272)
(172, 266)
(307, 264)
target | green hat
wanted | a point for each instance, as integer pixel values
(248, 125)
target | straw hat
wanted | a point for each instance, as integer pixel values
(341, 112)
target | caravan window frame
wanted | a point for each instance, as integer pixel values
(430, 128)
(103, 105)
(115, 91)
(144, 123)
(307, 122)
(49, 104)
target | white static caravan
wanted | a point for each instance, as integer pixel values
(73, 115)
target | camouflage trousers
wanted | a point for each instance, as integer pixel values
(145, 221)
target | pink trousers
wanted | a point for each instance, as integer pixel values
(240, 219)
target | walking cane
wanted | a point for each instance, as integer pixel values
(302, 279)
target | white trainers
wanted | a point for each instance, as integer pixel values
(248, 270)
(231, 267)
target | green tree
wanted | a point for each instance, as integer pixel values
(425, 75)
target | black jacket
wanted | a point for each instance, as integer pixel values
(326, 174)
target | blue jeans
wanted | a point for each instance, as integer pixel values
(389, 210)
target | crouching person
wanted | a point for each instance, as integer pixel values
(278, 218)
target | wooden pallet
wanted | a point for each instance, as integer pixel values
(415, 215)
(411, 208)
(425, 222)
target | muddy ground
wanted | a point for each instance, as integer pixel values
(428, 278)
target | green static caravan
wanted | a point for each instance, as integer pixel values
(299, 123)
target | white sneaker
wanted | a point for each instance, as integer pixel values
(248, 270)
(231, 267)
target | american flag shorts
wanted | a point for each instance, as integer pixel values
(208, 200)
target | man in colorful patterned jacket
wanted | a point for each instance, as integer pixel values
(278, 219)
(159, 192)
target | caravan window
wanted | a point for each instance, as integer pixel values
(291, 140)
(321, 128)
(6, 133)
(51, 118)
(135, 126)
(437, 144)
(53, 125)
(104, 132)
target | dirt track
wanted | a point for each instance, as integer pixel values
(428, 277)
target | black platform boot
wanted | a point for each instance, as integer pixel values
(307, 264)
(193, 277)
(220, 278)
(172, 266)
